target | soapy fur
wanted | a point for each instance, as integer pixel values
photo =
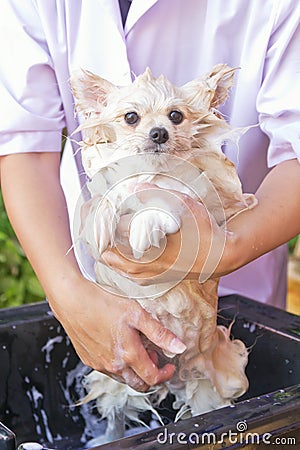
(211, 372)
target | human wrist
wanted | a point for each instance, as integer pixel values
(231, 258)
(62, 280)
(65, 295)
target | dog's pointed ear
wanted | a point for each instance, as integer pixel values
(220, 79)
(90, 91)
(210, 90)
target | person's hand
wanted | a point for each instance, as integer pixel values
(104, 329)
(248, 235)
(194, 252)
(106, 333)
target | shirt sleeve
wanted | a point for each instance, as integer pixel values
(278, 101)
(31, 112)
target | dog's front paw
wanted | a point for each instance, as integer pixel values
(148, 227)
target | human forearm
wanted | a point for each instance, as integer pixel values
(93, 318)
(252, 233)
(274, 221)
(36, 207)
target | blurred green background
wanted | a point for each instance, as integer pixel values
(18, 283)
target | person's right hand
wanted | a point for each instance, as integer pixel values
(106, 333)
(105, 330)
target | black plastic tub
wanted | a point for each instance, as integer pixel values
(40, 381)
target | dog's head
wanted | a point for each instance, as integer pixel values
(150, 115)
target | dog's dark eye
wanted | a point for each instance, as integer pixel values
(131, 118)
(176, 117)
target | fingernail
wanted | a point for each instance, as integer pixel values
(176, 346)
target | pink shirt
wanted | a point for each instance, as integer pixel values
(46, 40)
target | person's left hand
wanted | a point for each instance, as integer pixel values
(194, 251)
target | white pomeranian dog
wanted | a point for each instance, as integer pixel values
(153, 131)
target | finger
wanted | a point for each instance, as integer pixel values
(143, 366)
(133, 380)
(114, 259)
(158, 334)
(123, 225)
(124, 376)
(141, 187)
(126, 265)
(119, 263)
(154, 356)
(129, 377)
(146, 191)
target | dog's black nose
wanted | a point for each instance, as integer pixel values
(159, 135)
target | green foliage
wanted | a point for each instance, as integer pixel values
(292, 244)
(18, 282)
